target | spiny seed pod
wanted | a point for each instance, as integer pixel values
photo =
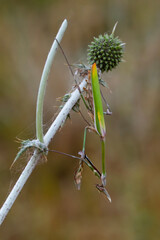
(106, 51)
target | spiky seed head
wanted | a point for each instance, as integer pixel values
(106, 51)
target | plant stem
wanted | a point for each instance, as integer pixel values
(35, 158)
(60, 119)
(18, 186)
(43, 82)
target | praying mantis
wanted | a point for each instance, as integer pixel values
(98, 126)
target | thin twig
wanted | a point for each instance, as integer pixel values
(65, 154)
(66, 59)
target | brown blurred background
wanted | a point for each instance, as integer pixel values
(49, 206)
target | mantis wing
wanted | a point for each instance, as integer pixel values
(98, 107)
(99, 122)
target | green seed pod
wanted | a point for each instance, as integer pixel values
(106, 51)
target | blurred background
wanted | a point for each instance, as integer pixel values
(50, 207)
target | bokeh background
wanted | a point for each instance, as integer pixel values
(49, 207)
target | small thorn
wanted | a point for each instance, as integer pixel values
(122, 44)
(114, 28)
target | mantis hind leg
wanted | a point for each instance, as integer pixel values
(78, 173)
(103, 176)
(82, 153)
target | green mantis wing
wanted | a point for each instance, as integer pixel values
(98, 107)
(98, 116)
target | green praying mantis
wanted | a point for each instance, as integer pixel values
(96, 113)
